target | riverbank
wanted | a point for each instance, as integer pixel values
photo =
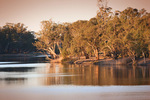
(82, 60)
(23, 57)
(123, 61)
(105, 61)
(108, 61)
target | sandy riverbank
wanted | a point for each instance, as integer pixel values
(121, 61)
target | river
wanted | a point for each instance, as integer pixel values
(46, 81)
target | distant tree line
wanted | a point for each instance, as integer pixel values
(15, 38)
(115, 34)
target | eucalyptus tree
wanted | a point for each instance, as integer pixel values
(15, 38)
(147, 32)
(111, 37)
(134, 34)
(92, 37)
(103, 17)
(50, 37)
(67, 40)
(79, 45)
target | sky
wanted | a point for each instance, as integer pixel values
(32, 12)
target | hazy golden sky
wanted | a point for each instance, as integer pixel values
(32, 12)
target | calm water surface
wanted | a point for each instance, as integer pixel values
(81, 82)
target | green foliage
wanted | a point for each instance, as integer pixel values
(14, 38)
(51, 37)
(121, 34)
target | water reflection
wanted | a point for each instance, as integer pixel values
(12, 81)
(21, 74)
(98, 75)
(45, 74)
(17, 69)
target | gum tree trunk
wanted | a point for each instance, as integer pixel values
(96, 54)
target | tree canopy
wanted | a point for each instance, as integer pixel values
(115, 34)
(15, 38)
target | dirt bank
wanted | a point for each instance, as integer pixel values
(104, 61)
(142, 62)
(121, 61)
